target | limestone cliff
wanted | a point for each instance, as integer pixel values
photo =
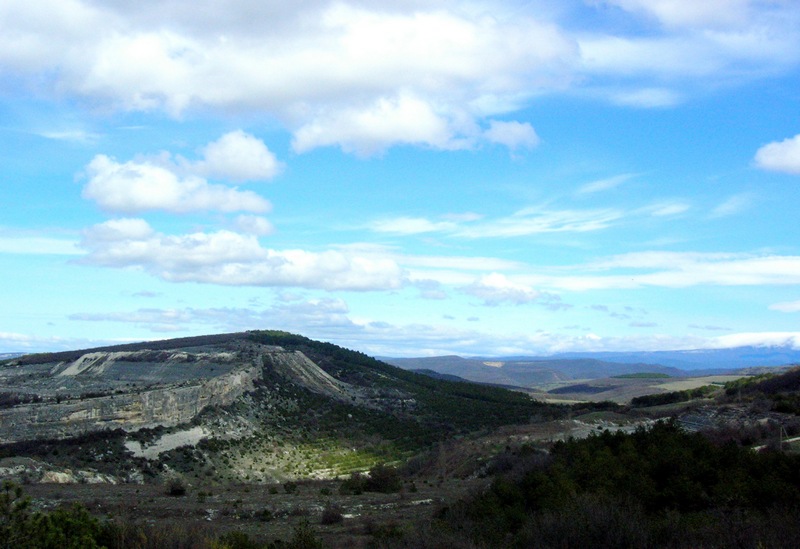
(100, 389)
(164, 406)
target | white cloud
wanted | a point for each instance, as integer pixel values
(233, 259)
(514, 135)
(76, 136)
(733, 205)
(253, 224)
(536, 220)
(460, 262)
(525, 222)
(411, 225)
(780, 156)
(306, 315)
(689, 13)
(786, 307)
(680, 270)
(646, 97)
(178, 185)
(666, 209)
(712, 51)
(496, 288)
(373, 128)
(605, 184)
(137, 186)
(238, 156)
(344, 74)
(755, 339)
(347, 73)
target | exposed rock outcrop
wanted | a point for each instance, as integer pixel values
(145, 388)
(165, 406)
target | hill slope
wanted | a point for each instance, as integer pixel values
(254, 406)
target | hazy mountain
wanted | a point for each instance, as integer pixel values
(727, 359)
(526, 371)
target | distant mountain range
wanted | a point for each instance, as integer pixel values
(702, 359)
(527, 371)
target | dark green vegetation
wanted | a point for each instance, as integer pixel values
(653, 488)
(659, 399)
(783, 391)
(582, 388)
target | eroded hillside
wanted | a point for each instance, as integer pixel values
(253, 406)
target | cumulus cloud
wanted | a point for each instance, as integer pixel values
(371, 129)
(233, 259)
(137, 186)
(238, 156)
(347, 73)
(780, 156)
(179, 185)
(496, 288)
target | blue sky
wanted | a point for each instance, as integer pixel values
(403, 178)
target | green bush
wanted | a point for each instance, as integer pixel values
(384, 479)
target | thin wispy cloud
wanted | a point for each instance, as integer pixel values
(733, 205)
(606, 184)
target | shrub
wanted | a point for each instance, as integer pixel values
(332, 514)
(304, 538)
(354, 485)
(176, 487)
(384, 479)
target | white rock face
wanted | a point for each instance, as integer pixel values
(124, 390)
